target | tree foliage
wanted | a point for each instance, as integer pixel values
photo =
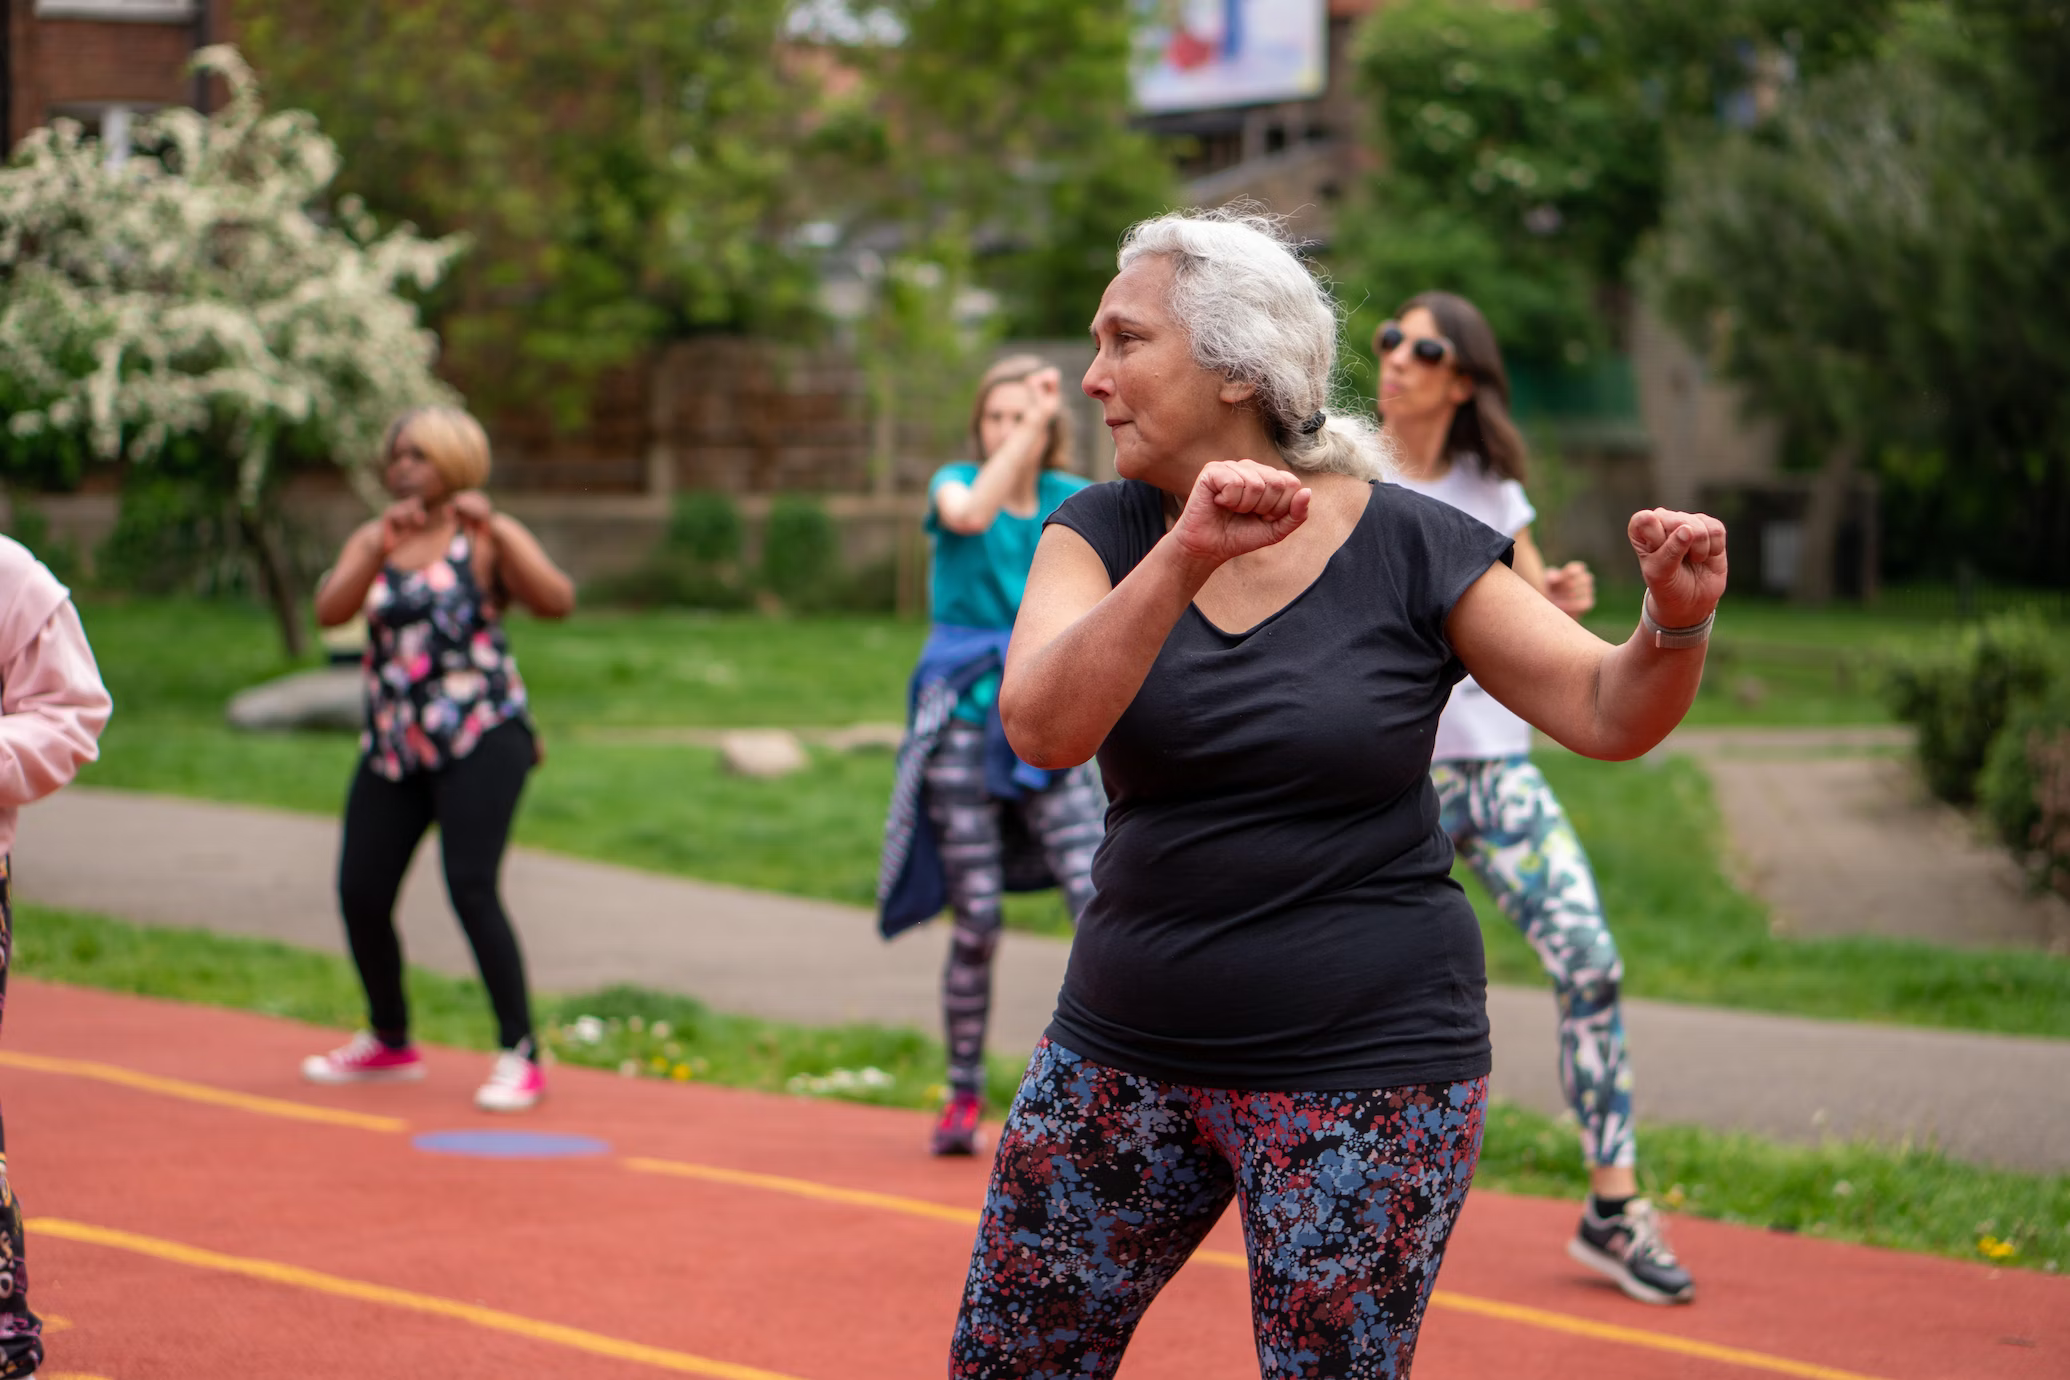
(201, 311)
(1526, 148)
(629, 170)
(633, 171)
(1881, 266)
(1013, 116)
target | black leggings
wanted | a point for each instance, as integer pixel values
(473, 801)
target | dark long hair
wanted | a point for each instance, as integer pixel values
(1482, 425)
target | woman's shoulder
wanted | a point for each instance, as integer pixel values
(1120, 519)
(1405, 516)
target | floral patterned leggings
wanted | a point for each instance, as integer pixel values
(1510, 830)
(1106, 1182)
(21, 1331)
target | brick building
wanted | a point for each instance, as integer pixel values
(101, 62)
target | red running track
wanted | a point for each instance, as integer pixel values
(188, 1220)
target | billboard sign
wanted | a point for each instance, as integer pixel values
(1200, 54)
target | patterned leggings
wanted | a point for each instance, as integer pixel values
(1068, 820)
(21, 1331)
(1106, 1182)
(1511, 831)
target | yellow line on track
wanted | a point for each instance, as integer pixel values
(1444, 1299)
(1229, 1260)
(806, 1188)
(492, 1319)
(202, 1092)
(1639, 1337)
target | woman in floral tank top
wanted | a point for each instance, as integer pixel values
(448, 737)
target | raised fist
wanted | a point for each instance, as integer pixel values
(1682, 556)
(1239, 506)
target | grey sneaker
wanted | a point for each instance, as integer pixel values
(1631, 1250)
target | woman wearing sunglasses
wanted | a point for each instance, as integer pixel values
(1444, 398)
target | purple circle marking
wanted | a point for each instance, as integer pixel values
(509, 1145)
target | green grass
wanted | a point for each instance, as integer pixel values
(1687, 934)
(1653, 831)
(1910, 1199)
(1774, 664)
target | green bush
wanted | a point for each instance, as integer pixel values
(172, 535)
(696, 565)
(2025, 785)
(31, 528)
(705, 526)
(801, 561)
(1960, 697)
(871, 589)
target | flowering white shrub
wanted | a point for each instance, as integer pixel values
(201, 290)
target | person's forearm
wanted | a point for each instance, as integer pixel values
(1642, 692)
(528, 572)
(344, 591)
(1004, 470)
(1059, 701)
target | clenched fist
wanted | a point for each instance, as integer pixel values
(1682, 556)
(1239, 506)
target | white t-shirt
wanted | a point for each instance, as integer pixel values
(1476, 726)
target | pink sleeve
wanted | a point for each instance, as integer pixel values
(52, 709)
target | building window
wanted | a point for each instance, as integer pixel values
(109, 123)
(135, 11)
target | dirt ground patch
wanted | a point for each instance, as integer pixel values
(1834, 830)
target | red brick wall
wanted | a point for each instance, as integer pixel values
(65, 61)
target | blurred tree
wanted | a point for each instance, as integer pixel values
(1882, 267)
(201, 313)
(1007, 124)
(1526, 148)
(630, 170)
(986, 152)
(637, 170)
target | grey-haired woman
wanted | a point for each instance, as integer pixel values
(1277, 995)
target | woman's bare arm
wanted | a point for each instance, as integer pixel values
(524, 569)
(1603, 701)
(344, 589)
(1081, 646)
(968, 509)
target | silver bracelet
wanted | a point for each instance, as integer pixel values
(1694, 635)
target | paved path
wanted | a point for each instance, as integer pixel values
(235, 869)
(1832, 827)
(195, 1211)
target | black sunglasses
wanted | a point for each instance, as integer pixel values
(1428, 349)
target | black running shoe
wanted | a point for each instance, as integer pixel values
(1631, 1250)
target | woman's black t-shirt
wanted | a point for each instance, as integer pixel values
(1275, 908)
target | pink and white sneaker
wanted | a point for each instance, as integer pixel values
(515, 1084)
(364, 1059)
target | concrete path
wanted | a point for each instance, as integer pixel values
(1833, 828)
(235, 869)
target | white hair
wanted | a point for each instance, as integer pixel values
(1256, 314)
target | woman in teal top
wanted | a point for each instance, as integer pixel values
(988, 821)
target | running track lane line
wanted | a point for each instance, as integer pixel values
(1522, 1314)
(1229, 1260)
(202, 1092)
(493, 1319)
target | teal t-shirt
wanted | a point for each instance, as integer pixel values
(977, 581)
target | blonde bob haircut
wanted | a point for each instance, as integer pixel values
(452, 441)
(1062, 453)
